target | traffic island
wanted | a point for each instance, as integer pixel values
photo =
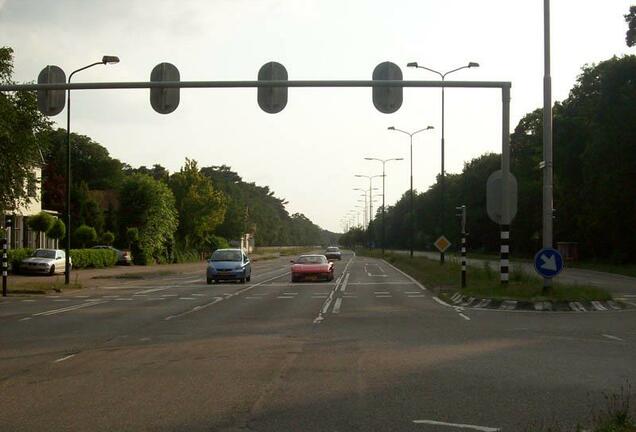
(523, 292)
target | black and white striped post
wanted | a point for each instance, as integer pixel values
(5, 266)
(504, 253)
(462, 215)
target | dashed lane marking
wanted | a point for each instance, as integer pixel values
(457, 425)
(336, 306)
(616, 338)
(187, 298)
(416, 296)
(69, 308)
(220, 299)
(464, 316)
(64, 358)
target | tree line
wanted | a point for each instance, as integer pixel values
(594, 178)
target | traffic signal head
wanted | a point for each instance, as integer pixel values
(8, 221)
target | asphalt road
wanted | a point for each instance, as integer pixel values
(371, 351)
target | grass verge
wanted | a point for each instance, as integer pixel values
(45, 287)
(483, 282)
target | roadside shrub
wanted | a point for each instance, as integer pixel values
(213, 242)
(108, 238)
(182, 256)
(96, 258)
(85, 235)
(17, 255)
(58, 230)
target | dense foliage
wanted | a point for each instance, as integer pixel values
(96, 258)
(594, 171)
(20, 125)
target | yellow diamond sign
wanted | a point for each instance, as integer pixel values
(442, 244)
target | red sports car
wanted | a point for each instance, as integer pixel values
(312, 267)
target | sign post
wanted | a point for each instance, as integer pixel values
(461, 214)
(5, 267)
(442, 244)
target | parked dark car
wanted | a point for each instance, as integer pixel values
(123, 257)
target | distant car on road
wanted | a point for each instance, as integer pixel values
(228, 264)
(312, 267)
(44, 261)
(333, 252)
(123, 257)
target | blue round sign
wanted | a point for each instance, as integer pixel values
(548, 262)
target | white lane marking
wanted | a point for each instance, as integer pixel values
(343, 287)
(380, 283)
(140, 295)
(123, 299)
(290, 293)
(157, 298)
(151, 290)
(383, 296)
(411, 292)
(409, 277)
(62, 300)
(327, 303)
(110, 296)
(442, 302)
(457, 425)
(416, 296)
(69, 308)
(27, 301)
(198, 295)
(25, 319)
(613, 337)
(336, 306)
(253, 298)
(169, 295)
(629, 295)
(220, 299)
(285, 297)
(64, 358)
(81, 296)
(381, 292)
(187, 298)
(464, 316)
(349, 296)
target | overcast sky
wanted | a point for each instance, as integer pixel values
(309, 153)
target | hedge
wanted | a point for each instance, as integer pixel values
(96, 258)
(15, 256)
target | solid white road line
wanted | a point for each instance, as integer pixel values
(64, 358)
(69, 308)
(380, 283)
(457, 425)
(464, 316)
(442, 302)
(220, 299)
(336, 306)
(327, 303)
(616, 338)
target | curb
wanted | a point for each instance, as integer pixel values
(538, 306)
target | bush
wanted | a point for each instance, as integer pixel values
(108, 238)
(85, 234)
(181, 256)
(214, 242)
(17, 255)
(97, 258)
(58, 229)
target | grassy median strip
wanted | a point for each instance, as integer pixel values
(483, 281)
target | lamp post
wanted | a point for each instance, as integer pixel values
(364, 193)
(383, 161)
(67, 264)
(443, 77)
(370, 192)
(410, 134)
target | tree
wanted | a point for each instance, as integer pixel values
(58, 230)
(149, 206)
(132, 236)
(108, 238)
(201, 208)
(41, 223)
(630, 18)
(21, 125)
(85, 234)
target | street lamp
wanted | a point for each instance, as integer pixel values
(67, 265)
(443, 76)
(370, 192)
(410, 134)
(383, 161)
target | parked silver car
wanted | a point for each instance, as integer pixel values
(44, 261)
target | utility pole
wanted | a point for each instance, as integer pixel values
(547, 140)
(462, 215)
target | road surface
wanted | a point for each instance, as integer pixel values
(370, 351)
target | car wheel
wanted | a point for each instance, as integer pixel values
(52, 270)
(249, 278)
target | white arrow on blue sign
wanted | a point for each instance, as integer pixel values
(548, 262)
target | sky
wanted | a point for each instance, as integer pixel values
(310, 152)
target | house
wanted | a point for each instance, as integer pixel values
(21, 236)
